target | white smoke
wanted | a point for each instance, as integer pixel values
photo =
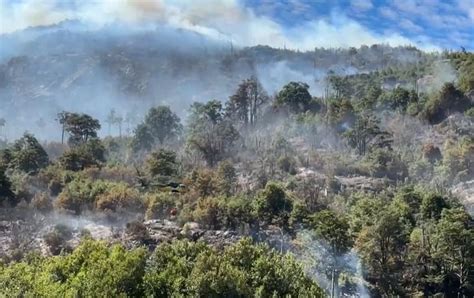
(317, 260)
(218, 19)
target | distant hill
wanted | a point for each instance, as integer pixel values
(45, 70)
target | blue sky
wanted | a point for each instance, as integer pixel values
(297, 24)
(445, 23)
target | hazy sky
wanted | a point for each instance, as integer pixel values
(302, 24)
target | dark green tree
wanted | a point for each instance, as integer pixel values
(399, 98)
(382, 246)
(80, 127)
(162, 123)
(28, 155)
(62, 118)
(273, 205)
(89, 154)
(295, 97)
(340, 85)
(162, 163)
(6, 193)
(143, 139)
(455, 237)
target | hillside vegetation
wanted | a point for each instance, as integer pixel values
(363, 188)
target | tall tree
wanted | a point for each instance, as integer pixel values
(162, 123)
(455, 248)
(365, 133)
(245, 105)
(142, 139)
(209, 132)
(334, 230)
(119, 122)
(382, 246)
(114, 119)
(3, 123)
(62, 119)
(111, 120)
(81, 127)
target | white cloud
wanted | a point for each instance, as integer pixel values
(220, 19)
(410, 26)
(388, 13)
(437, 13)
(20, 15)
(362, 5)
(467, 6)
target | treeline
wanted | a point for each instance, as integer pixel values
(256, 162)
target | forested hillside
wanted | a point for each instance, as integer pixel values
(45, 70)
(219, 171)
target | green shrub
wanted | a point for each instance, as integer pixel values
(160, 205)
(119, 196)
(162, 163)
(28, 155)
(85, 194)
(84, 155)
(241, 270)
(385, 163)
(273, 205)
(178, 269)
(469, 113)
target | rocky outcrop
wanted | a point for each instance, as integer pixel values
(362, 183)
(465, 191)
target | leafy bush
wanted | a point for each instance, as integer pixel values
(209, 212)
(162, 163)
(56, 239)
(447, 101)
(458, 159)
(84, 155)
(242, 270)
(385, 163)
(273, 204)
(85, 194)
(160, 205)
(174, 270)
(119, 196)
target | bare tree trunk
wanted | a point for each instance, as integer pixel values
(332, 283)
(62, 135)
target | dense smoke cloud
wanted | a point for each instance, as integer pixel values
(221, 20)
